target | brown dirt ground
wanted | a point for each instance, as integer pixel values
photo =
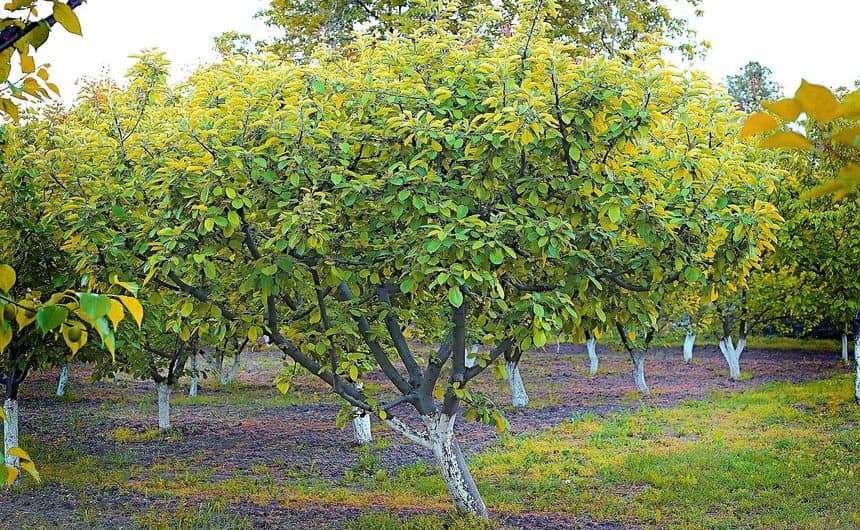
(279, 441)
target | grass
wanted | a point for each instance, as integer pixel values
(780, 456)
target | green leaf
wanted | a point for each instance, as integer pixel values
(50, 317)
(432, 245)
(94, 306)
(319, 86)
(186, 309)
(574, 153)
(455, 296)
(614, 214)
(406, 285)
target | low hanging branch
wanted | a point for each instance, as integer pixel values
(12, 34)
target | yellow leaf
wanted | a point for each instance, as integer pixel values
(67, 18)
(714, 295)
(787, 140)
(7, 278)
(817, 101)
(2, 415)
(74, 346)
(11, 475)
(758, 122)
(20, 453)
(787, 109)
(133, 307)
(848, 136)
(28, 65)
(30, 468)
(21, 317)
(631, 335)
(850, 106)
(116, 313)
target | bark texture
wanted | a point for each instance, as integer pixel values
(361, 423)
(63, 380)
(689, 342)
(732, 354)
(845, 347)
(639, 374)
(10, 431)
(471, 357)
(464, 492)
(519, 397)
(163, 407)
(192, 390)
(591, 347)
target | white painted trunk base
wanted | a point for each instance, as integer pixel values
(63, 381)
(732, 354)
(192, 390)
(464, 492)
(519, 398)
(689, 342)
(844, 348)
(10, 431)
(163, 407)
(472, 356)
(591, 347)
(361, 423)
(639, 375)
(857, 367)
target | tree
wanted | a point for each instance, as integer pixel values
(752, 86)
(436, 186)
(19, 33)
(832, 140)
(593, 26)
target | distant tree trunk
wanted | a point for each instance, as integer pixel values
(64, 379)
(639, 373)
(163, 406)
(845, 347)
(857, 356)
(519, 397)
(591, 348)
(361, 423)
(464, 492)
(732, 352)
(10, 431)
(689, 342)
(192, 390)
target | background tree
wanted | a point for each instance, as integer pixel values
(752, 86)
(593, 26)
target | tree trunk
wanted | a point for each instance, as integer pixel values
(163, 406)
(639, 374)
(464, 492)
(689, 342)
(857, 366)
(64, 379)
(234, 370)
(10, 431)
(361, 423)
(591, 347)
(519, 398)
(471, 357)
(845, 347)
(192, 390)
(732, 354)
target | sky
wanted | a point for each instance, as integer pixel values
(796, 39)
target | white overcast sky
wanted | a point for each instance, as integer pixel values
(815, 39)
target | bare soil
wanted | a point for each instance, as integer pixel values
(266, 436)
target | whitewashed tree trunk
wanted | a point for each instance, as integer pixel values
(361, 423)
(844, 347)
(10, 431)
(591, 347)
(557, 346)
(230, 376)
(464, 492)
(472, 356)
(857, 366)
(639, 374)
(519, 398)
(163, 407)
(689, 342)
(732, 354)
(63, 381)
(192, 390)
